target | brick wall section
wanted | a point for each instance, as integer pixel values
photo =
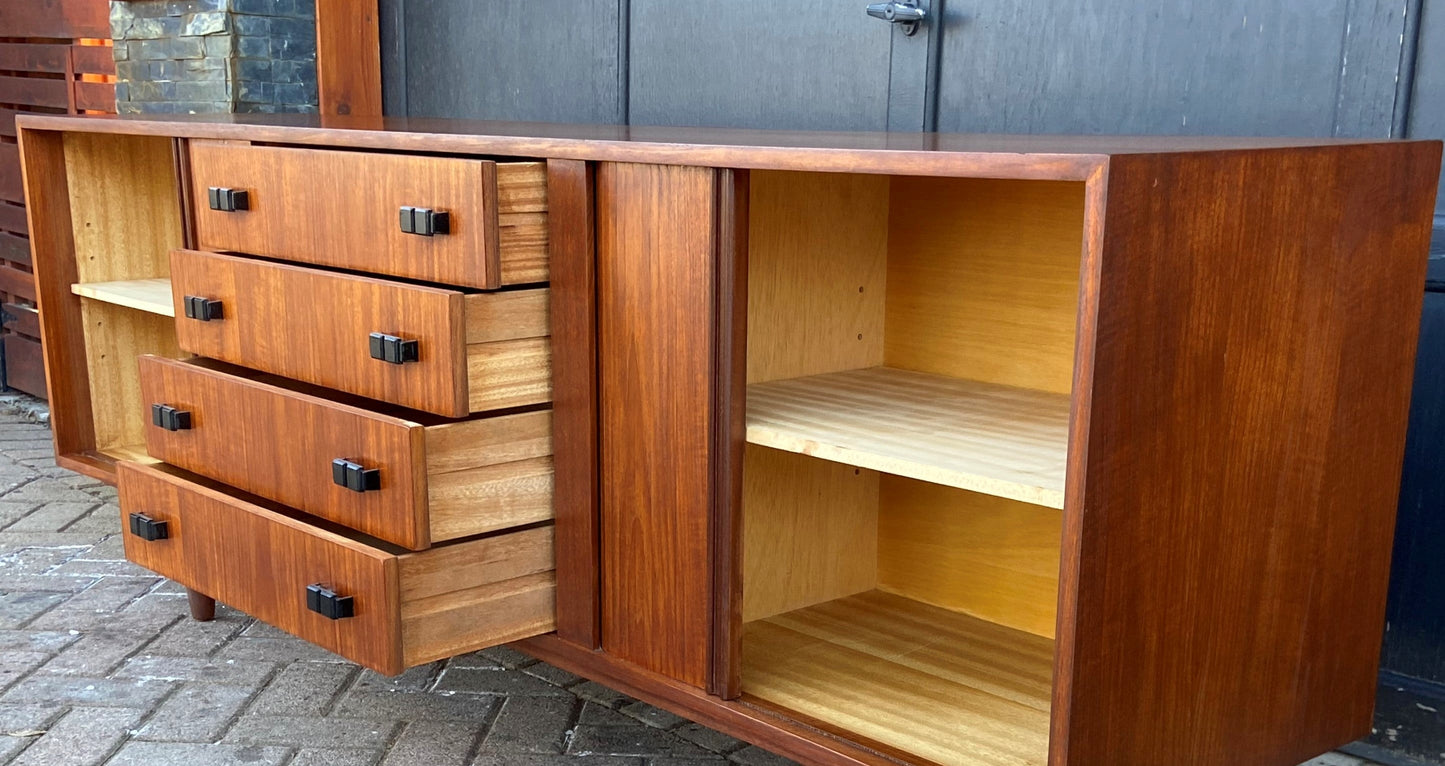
(214, 56)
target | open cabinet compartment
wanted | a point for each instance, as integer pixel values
(124, 209)
(911, 351)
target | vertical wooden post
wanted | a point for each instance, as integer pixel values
(348, 57)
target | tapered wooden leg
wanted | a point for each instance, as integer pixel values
(203, 607)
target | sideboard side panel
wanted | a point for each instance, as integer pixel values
(1257, 316)
(656, 279)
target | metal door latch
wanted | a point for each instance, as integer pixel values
(906, 14)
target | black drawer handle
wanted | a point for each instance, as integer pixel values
(327, 603)
(424, 221)
(170, 418)
(393, 350)
(148, 529)
(355, 477)
(203, 309)
(228, 200)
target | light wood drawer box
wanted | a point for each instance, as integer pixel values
(463, 352)
(405, 608)
(343, 209)
(433, 479)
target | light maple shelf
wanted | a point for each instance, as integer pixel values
(152, 296)
(956, 690)
(996, 440)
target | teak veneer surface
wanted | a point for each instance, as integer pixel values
(314, 325)
(951, 689)
(440, 479)
(341, 209)
(999, 440)
(994, 156)
(410, 608)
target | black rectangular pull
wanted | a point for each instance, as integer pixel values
(147, 528)
(328, 603)
(170, 418)
(203, 309)
(228, 200)
(354, 476)
(424, 221)
(393, 350)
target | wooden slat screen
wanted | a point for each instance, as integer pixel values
(55, 57)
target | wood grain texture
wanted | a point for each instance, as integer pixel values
(805, 318)
(124, 204)
(656, 293)
(440, 480)
(114, 337)
(149, 295)
(810, 532)
(340, 209)
(411, 608)
(314, 325)
(984, 556)
(571, 189)
(983, 280)
(24, 364)
(62, 328)
(348, 57)
(1278, 333)
(1009, 442)
(940, 686)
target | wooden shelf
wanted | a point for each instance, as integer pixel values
(997, 440)
(943, 686)
(149, 295)
(135, 453)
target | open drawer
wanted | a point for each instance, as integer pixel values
(404, 476)
(427, 348)
(376, 605)
(345, 209)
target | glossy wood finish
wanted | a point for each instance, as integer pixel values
(571, 194)
(303, 323)
(341, 209)
(409, 608)
(656, 298)
(1242, 451)
(439, 479)
(348, 57)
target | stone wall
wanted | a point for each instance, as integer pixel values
(214, 56)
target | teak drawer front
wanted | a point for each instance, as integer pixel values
(343, 209)
(434, 480)
(406, 609)
(472, 352)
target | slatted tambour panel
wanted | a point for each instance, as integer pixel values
(53, 58)
(997, 440)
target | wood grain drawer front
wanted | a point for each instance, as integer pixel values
(343, 209)
(404, 609)
(443, 351)
(423, 479)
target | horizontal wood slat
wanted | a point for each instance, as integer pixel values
(56, 58)
(14, 282)
(24, 365)
(21, 319)
(34, 91)
(64, 19)
(95, 96)
(12, 218)
(12, 188)
(93, 59)
(14, 248)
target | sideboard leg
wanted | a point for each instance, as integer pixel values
(203, 607)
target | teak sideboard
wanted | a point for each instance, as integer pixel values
(866, 448)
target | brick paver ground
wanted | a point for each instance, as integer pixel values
(100, 664)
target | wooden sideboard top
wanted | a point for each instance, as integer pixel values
(992, 156)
